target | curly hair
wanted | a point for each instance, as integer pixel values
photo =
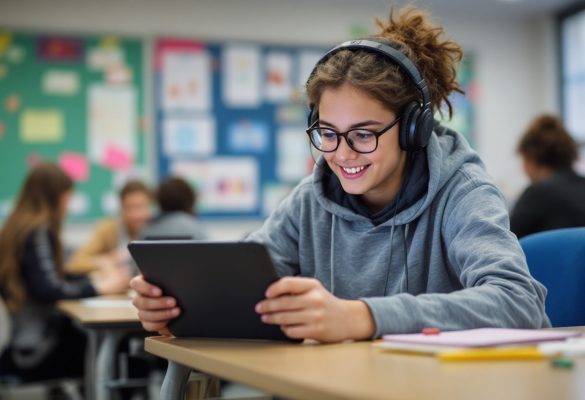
(547, 142)
(412, 33)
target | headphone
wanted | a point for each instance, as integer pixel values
(417, 119)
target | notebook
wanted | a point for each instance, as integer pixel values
(473, 338)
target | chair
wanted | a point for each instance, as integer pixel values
(556, 258)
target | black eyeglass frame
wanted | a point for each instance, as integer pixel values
(376, 134)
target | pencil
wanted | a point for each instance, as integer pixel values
(495, 354)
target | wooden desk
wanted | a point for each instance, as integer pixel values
(106, 319)
(361, 371)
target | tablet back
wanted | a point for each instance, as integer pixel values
(216, 284)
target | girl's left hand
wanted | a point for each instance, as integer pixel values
(304, 309)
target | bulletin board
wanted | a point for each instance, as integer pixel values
(75, 100)
(231, 119)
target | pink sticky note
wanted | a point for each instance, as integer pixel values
(116, 158)
(75, 165)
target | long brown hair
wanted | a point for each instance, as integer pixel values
(411, 32)
(38, 205)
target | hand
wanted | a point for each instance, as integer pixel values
(304, 309)
(111, 280)
(154, 310)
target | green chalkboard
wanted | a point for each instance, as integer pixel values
(76, 100)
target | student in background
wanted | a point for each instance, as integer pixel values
(556, 196)
(399, 227)
(107, 246)
(177, 219)
(43, 343)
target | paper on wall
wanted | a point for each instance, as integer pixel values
(307, 61)
(186, 80)
(100, 58)
(79, 204)
(241, 76)
(42, 125)
(278, 77)
(294, 160)
(224, 184)
(189, 136)
(63, 83)
(75, 165)
(112, 125)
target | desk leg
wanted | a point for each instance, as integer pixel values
(175, 382)
(90, 359)
(106, 364)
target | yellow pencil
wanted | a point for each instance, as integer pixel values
(492, 353)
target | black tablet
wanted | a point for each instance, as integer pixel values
(216, 284)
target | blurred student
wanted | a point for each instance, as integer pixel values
(107, 246)
(43, 343)
(177, 219)
(400, 226)
(556, 196)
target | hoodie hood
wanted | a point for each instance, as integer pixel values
(446, 152)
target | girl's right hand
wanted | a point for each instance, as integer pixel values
(155, 311)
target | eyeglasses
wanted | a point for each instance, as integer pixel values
(358, 139)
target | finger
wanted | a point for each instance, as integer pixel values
(140, 285)
(297, 331)
(165, 332)
(153, 303)
(291, 285)
(289, 318)
(161, 316)
(282, 303)
(154, 326)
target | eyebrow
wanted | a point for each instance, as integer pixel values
(356, 125)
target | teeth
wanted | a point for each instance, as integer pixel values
(353, 170)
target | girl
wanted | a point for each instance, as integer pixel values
(399, 227)
(32, 280)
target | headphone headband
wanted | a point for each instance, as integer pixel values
(417, 118)
(386, 50)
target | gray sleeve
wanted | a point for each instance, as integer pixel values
(280, 234)
(498, 290)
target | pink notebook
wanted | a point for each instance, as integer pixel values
(483, 337)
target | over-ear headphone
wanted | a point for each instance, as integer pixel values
(417, 121)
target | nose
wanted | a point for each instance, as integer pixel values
(345, 152)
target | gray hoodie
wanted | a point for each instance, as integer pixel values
(447, 261)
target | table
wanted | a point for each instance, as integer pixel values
(358, 370)
(106, 319)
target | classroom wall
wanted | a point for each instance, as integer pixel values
(514, 58)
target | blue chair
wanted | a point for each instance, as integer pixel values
(556, 258)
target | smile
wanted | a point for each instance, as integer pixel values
(353, 172)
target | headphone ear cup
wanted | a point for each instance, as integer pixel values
(424, 128)
(415, 128)
(408, 126)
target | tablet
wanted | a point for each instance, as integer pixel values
(216, 284)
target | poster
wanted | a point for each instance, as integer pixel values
(61, 83)
(112, 123)
(294, 160)
(189, 136)
(186, 81)
(224, 184)
(248, 136)
(42, 126)
(241, 76)
(278, 77)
